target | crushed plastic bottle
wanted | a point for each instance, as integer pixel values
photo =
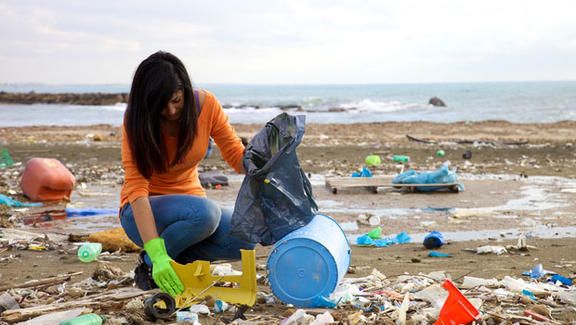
(89, 252)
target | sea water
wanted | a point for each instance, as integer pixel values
(521, 102)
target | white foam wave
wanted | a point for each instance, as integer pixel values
(249, 109)
(118, 107)
(367, 105)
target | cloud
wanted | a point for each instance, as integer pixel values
(316, 41)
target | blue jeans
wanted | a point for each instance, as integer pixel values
(193, 228)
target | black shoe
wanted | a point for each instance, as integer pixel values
(143, 275)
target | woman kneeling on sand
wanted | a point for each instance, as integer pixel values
(164, 209)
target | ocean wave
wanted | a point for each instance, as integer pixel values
(367, 105)
(249, 109)
(118, 107)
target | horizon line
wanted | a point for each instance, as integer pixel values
(289, 84)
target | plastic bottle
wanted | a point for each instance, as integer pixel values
(433, 240)
(88, 319)
(89, 252)
(401, 159)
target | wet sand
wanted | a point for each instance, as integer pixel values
(511, 189)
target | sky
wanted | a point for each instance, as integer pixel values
(289, 42)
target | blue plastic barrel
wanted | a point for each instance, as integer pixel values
(309, 262)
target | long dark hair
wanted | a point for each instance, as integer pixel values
(155, 81)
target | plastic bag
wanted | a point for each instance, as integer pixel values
(442, 175)
(276, 196)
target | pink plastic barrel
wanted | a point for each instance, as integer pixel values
(46, 179)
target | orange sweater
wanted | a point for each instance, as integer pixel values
(183, 178)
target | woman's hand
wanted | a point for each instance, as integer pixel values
(162, 271)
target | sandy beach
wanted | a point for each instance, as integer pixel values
(521, 179)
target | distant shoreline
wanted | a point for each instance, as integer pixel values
(63, 98)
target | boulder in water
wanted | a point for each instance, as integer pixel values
(435, 101)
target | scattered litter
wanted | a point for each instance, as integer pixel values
(89, 252)
(373, 160)
(224, 269)
(434, 240)
(498, 250)
(364, 172)
(457, 309)
(7, 302)
(472, 282)
(369, 219)
(375, 233)
(299, 317)
(373, 239)
(438, 254)
(200, 309)
(220, 306)
(187, 317)
(537, 272)
(5, 200)
(92, 319)
(89, 212)
(60, 317)
(563, 280)
(349, 226)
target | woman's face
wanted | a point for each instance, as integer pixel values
(173, 110)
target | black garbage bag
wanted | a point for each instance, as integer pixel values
(276, 196)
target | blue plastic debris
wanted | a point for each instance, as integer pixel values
(365, 172)
(529, 294)
(537, 272)
(438, 254)
(442, 175)
(367, 240)
(403, 238)
(558, 278)
(383, 242)
(88, 212)
(364, 240)
(433, 240)
(5, 200)
(323, 302)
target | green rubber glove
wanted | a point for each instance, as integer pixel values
(162, 271)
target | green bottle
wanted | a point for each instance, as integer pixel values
(5, 158)
(88, 319)
(89, 252)
(401, 159)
